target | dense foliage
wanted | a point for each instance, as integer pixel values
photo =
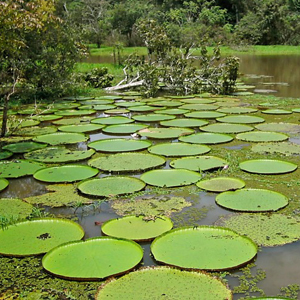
(229, 22)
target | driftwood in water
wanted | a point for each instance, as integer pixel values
(124, 86)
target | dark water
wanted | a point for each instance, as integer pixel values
(278, 73)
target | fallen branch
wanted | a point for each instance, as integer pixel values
(124, 86)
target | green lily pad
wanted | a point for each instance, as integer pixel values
(252, 200)
(153, 118)
(221, 184)
(169, 282)
(226, 128)
(241, 119)
(37, 236)
(127, 162)
(98, 107)
(46, 118)
(60, 195)
(277, 112)
(67, 173)
(24, 147)
(188, 122)
(35, 131)
(262, 136)
(181, 97)
(285, 148)
(111, 186)
(112, 120)
(18, 168)
(37, 111)
(129, 104)
(266, 230)
(3, 184)
(279, 127)
(242, 93)
(165, 133)
(124, 128)
(80, 128)
(199, 106)
(119, 145)
(296, 110)
(204, 114)
(73, 121)
(74, 112)
(170, 178)
(137, 228)
(166, 103)
(173, 111)
(203, 247)
(14, 139)
(26, 123)
(150, 208)
(198, 101)
(60, 138)
(206, 138)
(199, 163)
(237, 110)
(178, 149)
(65, 105)
(116, 111)
(97, 102)
(58, 154)
(267, 166)
(98, 258)
(5, 154)
(15, 209)
(144, 108)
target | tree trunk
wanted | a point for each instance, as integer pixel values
(4, 115)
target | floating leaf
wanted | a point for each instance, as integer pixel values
(267, 166)
(199, 106)
(112, 120)
(3, 184)
(98, 258)
(97, 107)
(241, 119)
(167, 103)
(153, 117)
(173, 111)
(81, 128)
(170, 178)
(203, 247)
(277, 112)
(285, 148)
(266, 230)
(206, 138)
(184, 122)
(13, 208)
(226, 128)
(73, 112)
(60, 138)
(280, 127)
(237, 110)
(124, 128)
(198, 101)
(119, 145)
(34, 131)
(67, 173)
(165, 133)
(137, 228)
(5, 154)
(163, 282)
(37, 236)
(18, 168)
(127, 162)
(262, 136)
(144, 108)
(47, 118)
(73, 121)
(204, 114)
(221, 184)
(58, 154)
(116, 111)
(252, 200)
(178, 149)
(24, 147)
(111, 186)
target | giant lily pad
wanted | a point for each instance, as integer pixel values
(206, 138)
(97, 102)
(198, 101)
(285, 148)
(80, 128)
(167, 103)
(34, 131)
(60, 138)
(14, 208)
(267, 166)
(37, 236)
(279, 127)
(144, 108)
(252, 200)
(127, 162)
(116, 111)
(153, 118)
(128, 104)
(173, 111)
(111, 186)
(58, 154)
(262, 136)
(204, 114)
(178, 149)
(241, 119)
(199, 106)
(3, 184)
(164, 282)
(119, 145)
(170, 178)
(226, 128)
(5, 154)
(150, 207)
(124, 128)
(116, 120)
(221, 184)
(188, 122)
(24, 147)
(67, 173)
(165, 133)
(60, 195)
(46, 118)
(97, 257)
(237, 110)
(264, 229)
(137, 228)
(277, 112)
(18, 168)
(73, 112)
(98, 107)
(203, 247)
(199, 163)
(73, 121)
